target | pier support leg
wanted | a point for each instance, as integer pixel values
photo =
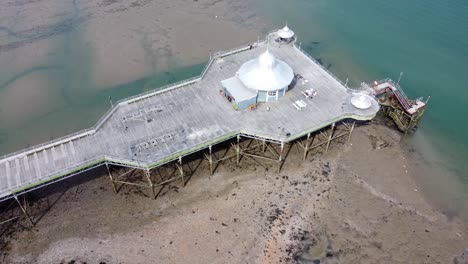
(23, 209)
(263, 145)
(351, 131)
(330, 136)
(238, 149)
(111, 178)
(148, 177)
(280, 160)
(210, 160)
(307, 145)
(181, 171)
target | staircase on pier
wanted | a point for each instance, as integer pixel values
(406, 113)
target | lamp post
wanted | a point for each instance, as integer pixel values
(399, 78)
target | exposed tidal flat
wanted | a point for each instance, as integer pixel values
(60, 61)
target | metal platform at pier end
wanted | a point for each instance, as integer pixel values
(149, 130)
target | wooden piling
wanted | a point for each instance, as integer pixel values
(148, 177)
(210, 160)
(181, 171)
(351, 131)
(23, 209)
(111, 178)
(306, 147)
(238, 149)
(330, 136)
(280, 160)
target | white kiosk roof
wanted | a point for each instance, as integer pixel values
(285, 33)
(361, 101)
(266, 73)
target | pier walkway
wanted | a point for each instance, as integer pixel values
(152, 129)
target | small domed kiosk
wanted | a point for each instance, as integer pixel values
(263, 79)
(361, 101)
(285, 34)
(268, 76)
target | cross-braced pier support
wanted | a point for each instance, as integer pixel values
(324, 137)
(259, 150)
(24, 208)
(121, 176)
(230, 152)
(149, 179)
(256, 149)
(9, 214)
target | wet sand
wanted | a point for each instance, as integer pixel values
(357, 203)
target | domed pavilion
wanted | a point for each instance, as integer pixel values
(286, 34)
(263, 79)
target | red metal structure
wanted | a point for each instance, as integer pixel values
(409, 106)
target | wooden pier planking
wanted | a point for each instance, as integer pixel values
(194, 109)
(11, 180)
(63, 153)
(4, 184)
(72, 148)
(37, 167)
(54, 154)
(46, 158)
(25, 163)
(18, 171)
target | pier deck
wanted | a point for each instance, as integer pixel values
(155, 128)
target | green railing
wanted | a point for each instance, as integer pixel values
(144, 165)
(108, 114)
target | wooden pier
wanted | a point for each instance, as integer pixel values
(163, 126)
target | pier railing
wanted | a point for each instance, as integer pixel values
(99, 123)
(145, 95)
(48, 144)
(263, 135)
(132, 99)
(323, 67)
(396, 85)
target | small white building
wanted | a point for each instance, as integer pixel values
(286, 34)
(263, 79)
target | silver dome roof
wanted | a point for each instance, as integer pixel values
(285, 33)
(266, 73)
(361, 101)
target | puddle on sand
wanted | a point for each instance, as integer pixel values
(315, 249)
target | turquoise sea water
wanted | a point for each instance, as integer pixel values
(362, 40)
(427, 40)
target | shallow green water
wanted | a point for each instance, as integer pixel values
(427, 40)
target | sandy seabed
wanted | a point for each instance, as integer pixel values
(355, 204)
